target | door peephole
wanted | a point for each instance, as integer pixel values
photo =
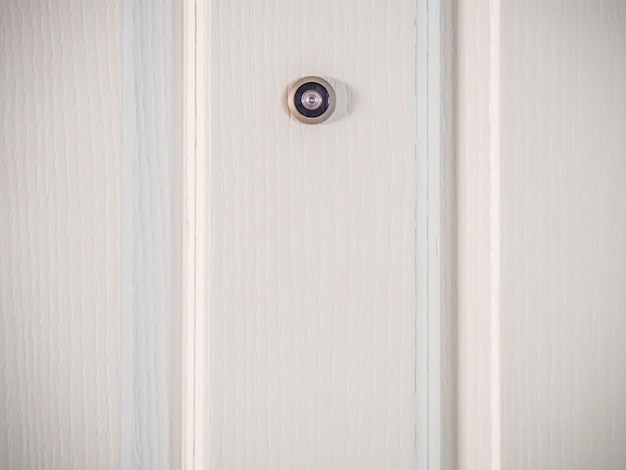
(311, 100)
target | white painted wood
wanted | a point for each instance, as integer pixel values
(478, 224)
(435, 257)
(60, 181)
(188, 233)
(305, 282)
(542, 368)
(151, 253)
(89, 250)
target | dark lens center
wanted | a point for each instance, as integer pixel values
(312, 99)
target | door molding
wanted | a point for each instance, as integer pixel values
(435, 237)
(477, 136)
(189, 235)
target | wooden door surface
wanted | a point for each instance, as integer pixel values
(541, 158)
(306, 239)
(432, 278)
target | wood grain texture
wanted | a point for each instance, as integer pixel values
(541, 169)
(60, 234)
(89, 248)
(563, 230)
(307, 279)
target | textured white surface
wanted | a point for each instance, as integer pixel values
(188, 237)
(435, 257)
(541, 116)
(88, 260)
(477, 223)
(563, 234)
(60, 234)
(306, 343)
(151, 254)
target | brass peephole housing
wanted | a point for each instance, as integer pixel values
(311, 100)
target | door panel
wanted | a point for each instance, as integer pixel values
(563, 235)
(59, 248)
(541, 155)
(307, 345)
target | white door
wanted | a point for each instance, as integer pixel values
(432, 278)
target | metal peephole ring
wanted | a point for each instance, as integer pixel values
(311, 100)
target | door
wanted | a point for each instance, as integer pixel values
(305, 299)
(431, 278)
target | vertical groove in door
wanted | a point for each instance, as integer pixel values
(435, 236)
(150, 258)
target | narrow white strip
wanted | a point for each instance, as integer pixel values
(128, 399)
(434, 235)
(189, 237)
(150, 189)
(422, 332)
(494, 176)
(201, 235)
